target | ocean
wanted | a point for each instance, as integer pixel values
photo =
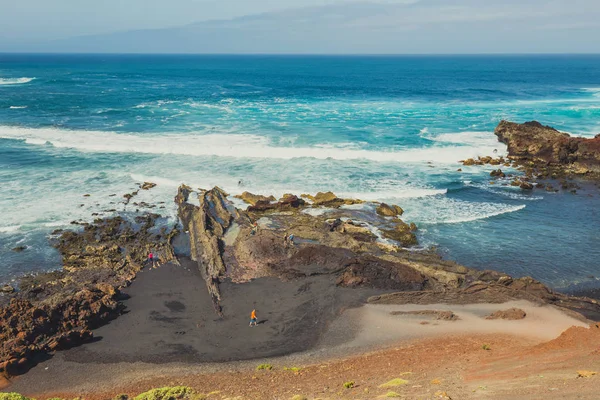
(376, 128)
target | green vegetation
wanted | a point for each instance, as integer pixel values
(392, 395)
(267, 367)
(293, 369)
(121, 397)
(349, 385)
(13, 396)
(394, 383)
(299, 397)
(171, 393)
(486, 347)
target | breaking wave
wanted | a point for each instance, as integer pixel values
(231, 145)
(15, 81)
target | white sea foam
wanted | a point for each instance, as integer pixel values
(444, 210)
(400, 193)
(14, 81)
(232, 145)
(17, 107)
(9, 229)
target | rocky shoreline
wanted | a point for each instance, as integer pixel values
(355, 243)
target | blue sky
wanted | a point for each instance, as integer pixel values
(307, 26)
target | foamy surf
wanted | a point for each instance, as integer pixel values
(233, 145)
(444, 210)
(14, 81)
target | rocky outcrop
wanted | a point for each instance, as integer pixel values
(544, 146)
(206, 224)
(389, 210)
(57, 310)
(252, 199)
(329, 199)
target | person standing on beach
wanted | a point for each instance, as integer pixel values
(253, 321)
(151, 259)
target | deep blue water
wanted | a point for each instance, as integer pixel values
(381, 128)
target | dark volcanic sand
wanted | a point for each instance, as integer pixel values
(170, 319)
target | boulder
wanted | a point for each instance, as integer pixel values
(497, 173)
(19, 249)
(526, 186)
(147, 185)
(389, 210)
(402, 233)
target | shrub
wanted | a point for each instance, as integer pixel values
(486, 347)
(267, 367)
(170, 393)
(393, 394)
(13, 396)
(293, 369)
(349, 385)
(394, 383)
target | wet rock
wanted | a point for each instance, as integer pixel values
(7, 289)
(389, 210)
(526, 186)
(402, 233)
(497, 173)
(510, 314)
(147, 185)
(19, 249)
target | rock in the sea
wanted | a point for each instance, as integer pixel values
(510, 314)
(19, 249)
(389, 210)
(7, 289)
(497, 173)
(526, 186)
(402, 233)
(539, 144)
(147, 185)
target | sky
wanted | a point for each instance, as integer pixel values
(30, 20)
(301, 26)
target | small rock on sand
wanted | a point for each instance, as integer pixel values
(510, 314)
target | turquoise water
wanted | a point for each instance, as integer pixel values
(380, 128)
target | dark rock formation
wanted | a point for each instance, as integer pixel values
(544, 146)
(57, 310)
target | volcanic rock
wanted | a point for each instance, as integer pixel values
(389, 210)
(538, 144)
(252, 199)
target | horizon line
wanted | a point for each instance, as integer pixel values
(301, 54)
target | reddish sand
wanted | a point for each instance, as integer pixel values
(513, 368)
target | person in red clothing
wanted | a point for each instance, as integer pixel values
(151, 259)
(253, 320)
